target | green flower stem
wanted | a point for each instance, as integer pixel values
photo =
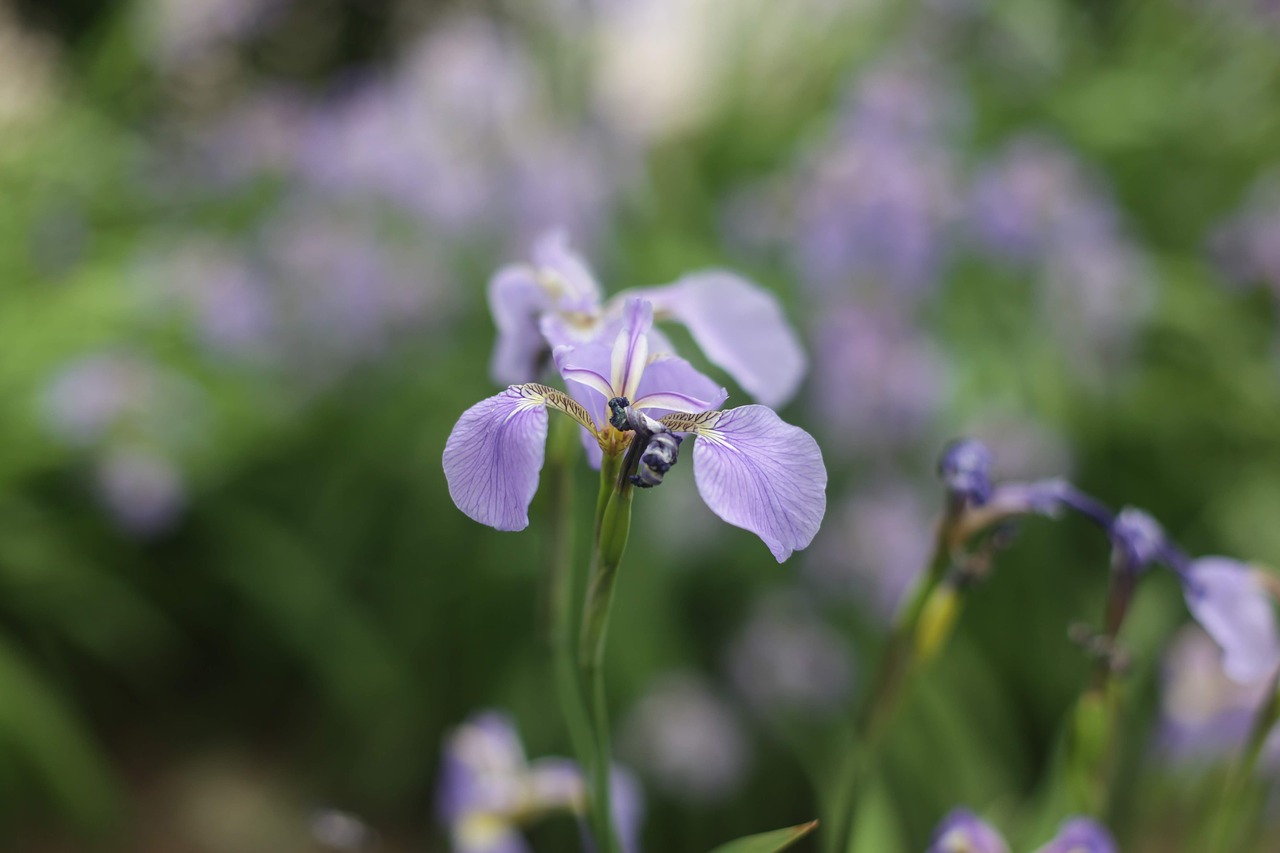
(613, 526)
(1236, 801)
(1095, 719)
(897, 663)
(565, 586)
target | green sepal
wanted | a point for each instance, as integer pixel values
(768, 842)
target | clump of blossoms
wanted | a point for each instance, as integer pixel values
(636, 402)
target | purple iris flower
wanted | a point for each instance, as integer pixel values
(962, 831)
(752, 469)
(965, 469)
(1223, 595)
(556, 301)
(1226, 598)
(1080, 835)
(489, 790)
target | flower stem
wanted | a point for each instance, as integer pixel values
(613, 526)
(565, 584)
(897, 663)
(1235, 800)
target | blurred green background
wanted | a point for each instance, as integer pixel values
(243, 254)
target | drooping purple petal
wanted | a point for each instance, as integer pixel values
(1080, 835)
(516, 299)
(493, 457)
(740, 327)
(962, 831)
(759, 473)
(1227, 600)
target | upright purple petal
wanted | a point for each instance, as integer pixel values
(962, 831)
(571, 278)
(516, 300)
(740, 327)
(1080, 835)
(1227, 600)
(493, 457)
(631, 349)
(759, 473)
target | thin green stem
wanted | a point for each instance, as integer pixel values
(1235, 800)
(564, 585)
(613, 526)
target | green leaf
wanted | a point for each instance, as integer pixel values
(768, 842)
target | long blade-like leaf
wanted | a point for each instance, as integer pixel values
(768, 842)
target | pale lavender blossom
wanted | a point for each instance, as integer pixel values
(1035, 205)
(1226, 598)
(876, 548)
(489, 790)
(752, 469)
(874, 201)
(787, 660)
(176, 33)
(113, 396)
(1246, 245)
(686, 739)
(555, 300)
(1080, 835)
(962, 831)
(142, 490)
(1223, 595)
(878, 382)
(1205, 714)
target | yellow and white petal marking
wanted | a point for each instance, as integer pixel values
(542, 395)
(702, 424)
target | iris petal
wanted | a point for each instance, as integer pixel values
(1232, 606)
(516, 300)
(493, 457)
(759, 473)
(740, 327)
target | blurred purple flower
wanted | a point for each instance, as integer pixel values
(786, 660)
(117, 395)
(874, 200)
(1206, 714)
(1080, 835)
(1138, 538)
(752, 469)
(143, 491)
(875, 548)
(962, 831)
(1246, 245)
(1036, 205)
(687, 739)
(178, 33)
(877, 381)
(488, 790)
(1226, 598)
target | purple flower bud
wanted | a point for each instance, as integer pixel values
(965, 469)
(962, 831)
(1138, 538)
(1080, 835)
